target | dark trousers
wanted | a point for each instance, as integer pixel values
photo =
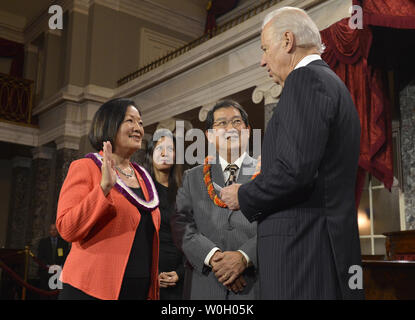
(131, 289)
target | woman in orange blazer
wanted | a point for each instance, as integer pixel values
(108, 209)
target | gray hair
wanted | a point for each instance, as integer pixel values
(299, 23)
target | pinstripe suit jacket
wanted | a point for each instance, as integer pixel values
(199, 225)
(304, 197)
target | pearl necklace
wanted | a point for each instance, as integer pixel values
(121, 187)
(128, 175)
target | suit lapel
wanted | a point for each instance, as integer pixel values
(244, 175)
(217, 174)
(246, 171)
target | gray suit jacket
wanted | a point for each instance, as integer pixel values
(199, 225)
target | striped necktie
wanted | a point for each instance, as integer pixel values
(232, 168)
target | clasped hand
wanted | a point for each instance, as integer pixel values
(168, 279)
(228, 267)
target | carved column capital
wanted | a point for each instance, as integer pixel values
(21, 162)
(204, 111)
(43, 153)
(67, 142)
(269, 92)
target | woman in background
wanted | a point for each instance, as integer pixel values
(160, 162)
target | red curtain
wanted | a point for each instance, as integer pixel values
(218, 8)
(388, 13)
(347, 52)
(15, 51)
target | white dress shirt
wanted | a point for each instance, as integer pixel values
(224, 164)
(226, 174)
(306, 60)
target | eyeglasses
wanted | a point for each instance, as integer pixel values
(236, 123)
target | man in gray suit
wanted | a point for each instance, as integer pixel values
(219, 244)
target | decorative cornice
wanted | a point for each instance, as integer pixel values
(67, 123)
(80, 6)
(67, 142)
(12, 27)
(74, 94)
(18, 134)
(215, 90)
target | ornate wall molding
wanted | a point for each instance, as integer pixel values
(24, 135)
(76, 94)
(222, 66)
(12, 27)
(66, 124)
(67, 142)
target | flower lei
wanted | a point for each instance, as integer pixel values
(207, 177)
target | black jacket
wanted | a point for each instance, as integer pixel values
(304, 198)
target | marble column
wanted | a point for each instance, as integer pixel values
(270, 93)
(407, 106)
(40, 202)
(67, 151)
(41, 187)
(17, 223)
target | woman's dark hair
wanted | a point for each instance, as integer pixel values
(176, 171)
(107, 120)
(225, 104)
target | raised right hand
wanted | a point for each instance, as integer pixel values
(109, 175)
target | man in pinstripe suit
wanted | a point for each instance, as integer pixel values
(304, 199)
(219, 244)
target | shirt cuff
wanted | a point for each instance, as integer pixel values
(246, 257)
(210, 254)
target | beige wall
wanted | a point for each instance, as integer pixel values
(101, 62)
(99, 48)
(190, 8)
(76, 47)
